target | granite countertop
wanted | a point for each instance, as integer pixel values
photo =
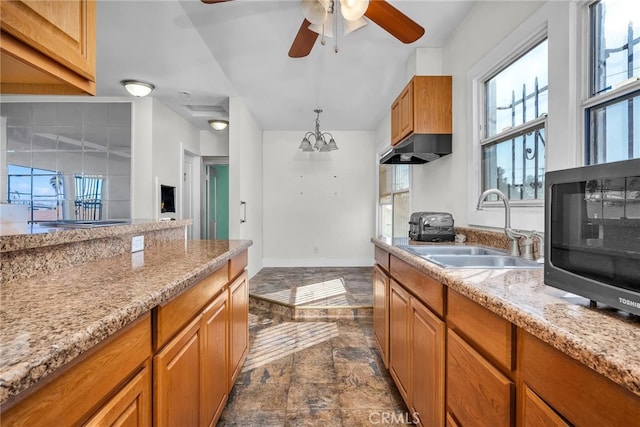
(604, 339)
(38, 236)
(48, 320)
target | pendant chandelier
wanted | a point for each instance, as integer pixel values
(319, 139)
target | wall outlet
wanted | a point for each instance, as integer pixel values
(315, 249)
(137, 243)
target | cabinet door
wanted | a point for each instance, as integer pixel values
(406, 111)
(239, 325)
(477, 393)
(399, 317)
(536, 413)
(395, 122)
(61, 30)
(427, 347)
(214, 360)
(131, 407)
(381, 313)
(177, 379)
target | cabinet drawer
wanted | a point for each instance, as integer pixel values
(536, 413)
(175, 314)
(579, 394)
(429, 291)
(477, 393)
(237, 264)
(81, 386)
(382, 258)
(130, 407)
(489, 333)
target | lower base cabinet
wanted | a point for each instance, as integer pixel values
(428, 358)
(477, 393)
(131, 407)
(238, 325)
(416, 356)
(194, 372)
(215, 366)
(177, 374)
(568, 389)
(496, 373)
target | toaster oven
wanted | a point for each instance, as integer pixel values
(431, 227)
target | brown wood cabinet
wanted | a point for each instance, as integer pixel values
(131, 407)
(423, 106)
(399, 324)
(87, 386)
(477, 393)
(496, 374)
(194, 372)
(575, 392)
(381, 312)
(536, 413)
(47, 47)
(238, 325)
(417, 355)
(427, 365)
(176, 375)
(215, 360)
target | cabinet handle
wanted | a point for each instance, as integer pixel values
(244, 215)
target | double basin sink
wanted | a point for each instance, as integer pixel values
(454, 256)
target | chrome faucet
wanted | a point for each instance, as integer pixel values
(511, 233)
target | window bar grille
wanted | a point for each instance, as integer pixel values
(524, 142)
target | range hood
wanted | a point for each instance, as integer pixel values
(418, 149)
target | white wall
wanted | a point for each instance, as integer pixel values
(143, 198)
(323, 201)
(214, 144)
(245, 180)
(486, 32)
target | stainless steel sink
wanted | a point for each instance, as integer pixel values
(482, 261)
(451, 250)
(450, 256)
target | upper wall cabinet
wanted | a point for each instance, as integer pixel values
(48, 47)
(424, 106)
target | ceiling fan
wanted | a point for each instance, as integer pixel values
(318, 13)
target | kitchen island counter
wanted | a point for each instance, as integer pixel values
(606, 340)
(48, 320)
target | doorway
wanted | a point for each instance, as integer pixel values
(217, 202)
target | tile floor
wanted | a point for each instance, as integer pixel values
(310, 371)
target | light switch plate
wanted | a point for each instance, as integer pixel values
(137, 243)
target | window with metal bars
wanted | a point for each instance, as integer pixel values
(612, 109)
(513, 138)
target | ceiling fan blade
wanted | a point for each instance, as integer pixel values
(393, 21)
(214, 1)
(304, 41)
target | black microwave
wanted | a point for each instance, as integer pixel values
(592, 233)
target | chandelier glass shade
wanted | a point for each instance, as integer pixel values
(318, 141)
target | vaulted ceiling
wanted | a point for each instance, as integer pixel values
(239, 48)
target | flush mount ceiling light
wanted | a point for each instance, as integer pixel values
(137, 87)
(319, 139)
(218, 124)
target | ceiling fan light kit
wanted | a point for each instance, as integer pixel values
(137, 88)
